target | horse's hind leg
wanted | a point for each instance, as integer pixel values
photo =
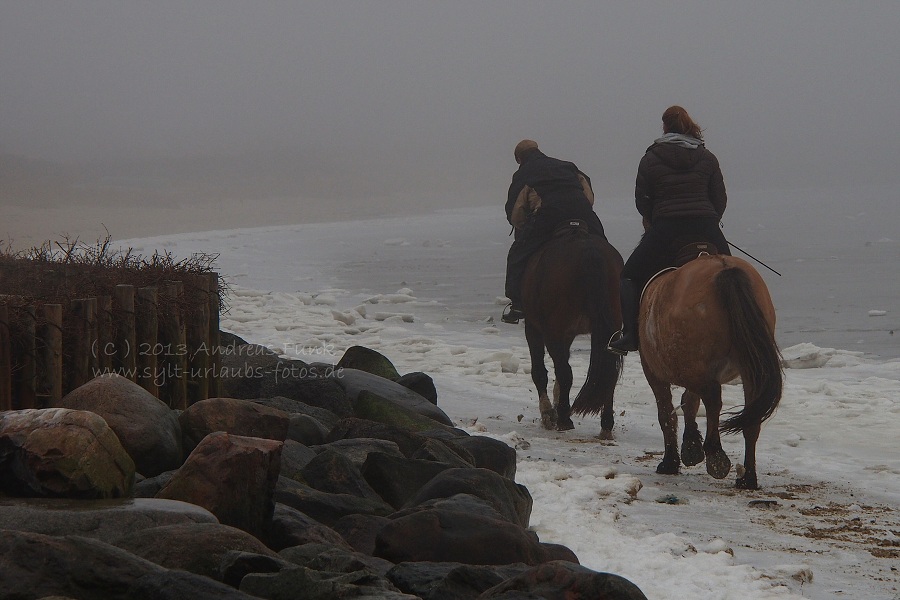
(691, 440)
(559, 353)
(668, 422)
(539, 376)
(747, 481)
(717, 463)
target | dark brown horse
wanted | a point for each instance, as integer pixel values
(703, 325)
(571, 287)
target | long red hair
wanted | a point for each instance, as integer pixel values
(677, 120)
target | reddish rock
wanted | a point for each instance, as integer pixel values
(231, 476)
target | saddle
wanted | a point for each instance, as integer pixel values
(571, 227)
(686, 253)
(692, 250)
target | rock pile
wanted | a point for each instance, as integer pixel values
(302, 481)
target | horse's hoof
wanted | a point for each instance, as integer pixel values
(605, 435)
(692, 451)
(565, 425)
(668, 467)
(548, 420)
(746, 482)
(718, 465)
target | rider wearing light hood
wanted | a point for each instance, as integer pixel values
(680, 193)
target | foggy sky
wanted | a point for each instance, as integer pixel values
(791, 93)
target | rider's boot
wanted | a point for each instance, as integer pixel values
(630, 297)
(512, 314)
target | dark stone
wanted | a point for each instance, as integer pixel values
(234, 416)
(397, 479)
(370, 361)
(438, 451)
(489, 453)
(322, 415)
(295, 456)
(562, 579)
(335, 559)
(334, 473)
(149, 487)
(324, 507)
(449, 580)
(356, 382)
(307, 430)
(360, 530)
(440, 535)
(285, 585)
(349, 428)
(320, 392)
(511, 499)
(359, 449)
(466, 503)
(104, 520)
(37, 566)
(236, 565)
(291, 527)
(195, 547)
(421, 384)
(178, 585)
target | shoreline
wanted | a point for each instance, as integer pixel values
(26, 227)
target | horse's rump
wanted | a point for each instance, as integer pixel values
(570, 288)
(711, 320)
(571, 277)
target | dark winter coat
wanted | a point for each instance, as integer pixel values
(543, 183)
(675, 182)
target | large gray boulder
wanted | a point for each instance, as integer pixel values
(195, 547)
(62, 453)
(146, 427)
(40, 566)
(105, 520)
(355, 382)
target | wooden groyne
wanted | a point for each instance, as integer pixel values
(163, 336)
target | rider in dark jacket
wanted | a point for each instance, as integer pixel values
(544, 193)
(680, 193)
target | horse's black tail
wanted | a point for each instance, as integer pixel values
(605, 367)
(760, 360)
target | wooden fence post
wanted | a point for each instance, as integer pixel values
(172, 346)
(84, 341)
(215, 357)
(5, 361)
(126, 342)
(104, 350)
(50, 364)
(25, 379)
(146, 329)
(197, 334)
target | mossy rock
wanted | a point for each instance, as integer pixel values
(370, 361)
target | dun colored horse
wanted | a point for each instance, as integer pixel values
(703, 325)
(571, 287)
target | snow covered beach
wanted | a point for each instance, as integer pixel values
(424, 291)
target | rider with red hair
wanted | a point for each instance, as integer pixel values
(680, 193)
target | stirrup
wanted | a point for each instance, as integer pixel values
(512, 315)
(618, 335)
